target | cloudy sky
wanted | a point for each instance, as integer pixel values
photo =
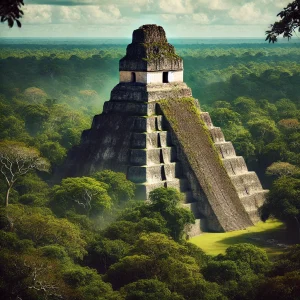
(118, 18)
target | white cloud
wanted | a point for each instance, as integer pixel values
(83, 15)
(186, 19)
(176, 6)
(68, 14)
(37, 14)
(213, 4)
(247, 14)
(117, 17)
(200, 19)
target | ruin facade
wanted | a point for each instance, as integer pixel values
(154, 131)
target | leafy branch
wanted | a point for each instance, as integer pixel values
(290, 21)
(10, 11)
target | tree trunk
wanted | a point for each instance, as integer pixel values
(7, 195)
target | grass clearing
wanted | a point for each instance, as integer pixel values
(270, 236)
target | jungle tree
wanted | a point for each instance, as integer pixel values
(16, 160)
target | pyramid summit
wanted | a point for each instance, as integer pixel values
(150, 51)
(154, 131)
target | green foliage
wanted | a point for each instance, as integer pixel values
(40, 226)
(9, 240)
(283, 203)
(225, 117)
(54, 251)
(281, 287)
(104, 252)
(16, 160)
(54, 152)
(221, 271)
(288, 23)
(119, 188)
(148, 289)
(286, 108)
(289, 261)
(249, 255)
(244, 106)
(282, 169)
(130, 269)
(84, 195)
(157, 245)
(166, 201)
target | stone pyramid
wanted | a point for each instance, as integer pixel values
(154, 131)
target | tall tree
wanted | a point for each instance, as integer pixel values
(290, 21)
(16, 160)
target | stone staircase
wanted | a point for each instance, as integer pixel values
(154, 163)
(153, 160)
(246, 183)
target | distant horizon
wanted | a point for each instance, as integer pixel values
(93, 38)
(15, 41)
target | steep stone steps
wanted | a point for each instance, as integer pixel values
(154, 173)
(149, 140)
(217, 134)
(254, 200)
(235, 165)
(154, 156)
(206, 119)
(137, 92)
(246, 184)
(143, 189)
(225, 149)
(148, 123)
(130, 108)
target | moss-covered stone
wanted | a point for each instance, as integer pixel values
(150, 51)
(201, 161)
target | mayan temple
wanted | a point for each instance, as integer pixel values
(154, 131)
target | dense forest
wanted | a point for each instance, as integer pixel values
(88, 237)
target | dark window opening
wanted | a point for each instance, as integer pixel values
(133, 77)
(165, 77)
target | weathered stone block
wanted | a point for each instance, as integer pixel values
(225, 149)
(149, 157)
(143, 189)
(217, 134)
(150, 140)
(246, 184)
(148, 124)
(255, 200)
(180, 184)
(235, 165)
(153, 174)
(206, 119)
(130, 108)
(137, 92)
(150, 174)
